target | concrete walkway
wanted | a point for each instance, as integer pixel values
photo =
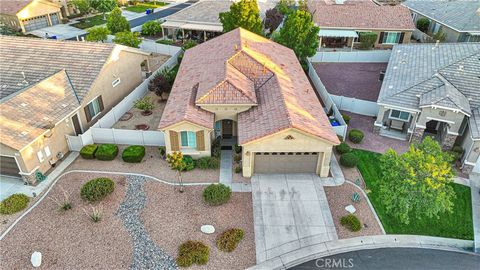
(290, 212)
(337, 177)
(226, 171)
(475, 189)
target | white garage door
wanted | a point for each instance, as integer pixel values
(35, 23)
(283, 162)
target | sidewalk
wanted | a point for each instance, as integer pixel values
(475, 189)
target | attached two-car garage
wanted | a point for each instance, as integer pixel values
(8, 166)
(286, 162)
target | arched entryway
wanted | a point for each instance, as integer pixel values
(226, 130)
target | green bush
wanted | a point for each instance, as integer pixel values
(456, 153)
(192, 252)
(349, 160)
(163, 151)
(346, 118)
(217, 194)
(367, 40)
(106, 152)
(189, 44)
(238, 169)
(205, 163)
(189, 163)
(237, 148)
(229, 239)
(355, 135)
(97, 189)
(216, 148)
(343, 148)
(88, 151)
(151, 28)
(14, 203)
(351, 222)
(423, 24)
(237, 158)
(133, 154)
(165, 41)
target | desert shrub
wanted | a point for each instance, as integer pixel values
(106, 152)
(217, 194)
(163, 151)
(145, 104)
(159, 84)
(65, 203)
(205, 163)
(349, 160)
(423, 24)
(346, 118)
(367, 40)
(237, 158)
(189, 44)
(238, 169)
(189, 163)
(237, 148)
(151, 28)
(355, 135)
(343, 148)
(14, 203)
(88, 151)
(97, 189)
(133, 154)
(95, 215)
(229, 239)
(351, 222)
(192, 252)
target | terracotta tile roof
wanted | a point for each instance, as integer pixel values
(27, 114)
(26, 61)
(12, 6)
(285, 98)
(358, 15)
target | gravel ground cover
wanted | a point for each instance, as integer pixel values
(340, 196)
(7, 220)
(69, 239)
(151, 165)
(172, 218)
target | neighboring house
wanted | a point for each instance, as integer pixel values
(50, 89)
(458, 20)
(244, 87)
(341, 22)
(68, 8)
(433, 89)
(29, 15)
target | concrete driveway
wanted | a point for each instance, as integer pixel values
(290, 211)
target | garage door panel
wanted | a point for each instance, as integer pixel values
(285, 163)
(8, 166)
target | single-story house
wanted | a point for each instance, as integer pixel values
(341, 22)
(244, 87)
(433, 90)
(50, 89)
(29, 15)
(459, 20)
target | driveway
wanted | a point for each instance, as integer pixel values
(290, 211)
(60, 31)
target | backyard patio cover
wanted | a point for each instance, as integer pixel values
(192, 26)
(337, 33)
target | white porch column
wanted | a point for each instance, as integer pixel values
(320, 44)
(351, 48)
(183, 35)
(204, 35)
(163, 34)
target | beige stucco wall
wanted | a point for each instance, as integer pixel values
(226, 111)
(451, 35)
(454, 119)
(38, 8)
(10, 21)
(187, 126)
(302, 142)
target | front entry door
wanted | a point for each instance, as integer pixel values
(227, 129)
(432, 127)
(76, 125)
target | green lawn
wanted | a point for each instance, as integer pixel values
(458, 224)
(141, 8)
(90, 22)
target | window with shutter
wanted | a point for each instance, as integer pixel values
(174, 145)
(200, 141)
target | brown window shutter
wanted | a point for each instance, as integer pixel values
(402, 36)
(87, 114)
(380, 39)
(200, 141)
(100, 103)
(174, 140)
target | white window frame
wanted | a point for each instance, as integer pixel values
(47, 151)
(386, 34)
(40, 156)
(116, 82)
(98, 104)
(188, 144)
(398, 118)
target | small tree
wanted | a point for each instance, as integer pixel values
(367, 40)
(116, 22)
(151, 28)
(273, 18)
(103, 6)
(286, 6)
(160, 84)
(416, 183)
(175, 160)
(423, 24)
(145, 104)
(243, 13)
(128, 39)
(300, 34)
(97, 34)
(82, 5)
(440, 36)
(189, 44)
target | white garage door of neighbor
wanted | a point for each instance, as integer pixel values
(35, 23)
(8, 166)
(283, 162)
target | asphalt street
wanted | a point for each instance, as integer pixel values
(157, 15)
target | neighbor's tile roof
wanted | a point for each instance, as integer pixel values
(460, 15)
(27, 114)
(358, 15)
(203, 11)
(39, 58)
(419, 74)
(12, 6)
(284, 96)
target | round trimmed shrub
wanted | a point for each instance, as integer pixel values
(14, 203)
(217, 194)
(355, 135)
(205, 163)
(97, 189)
(133, 154)
(229, 239)
(346, 118)
(192, 252)
(88, 151)
(343, 148)
(349, 160)
(106, 152)
(189, 162)
(351, 222)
